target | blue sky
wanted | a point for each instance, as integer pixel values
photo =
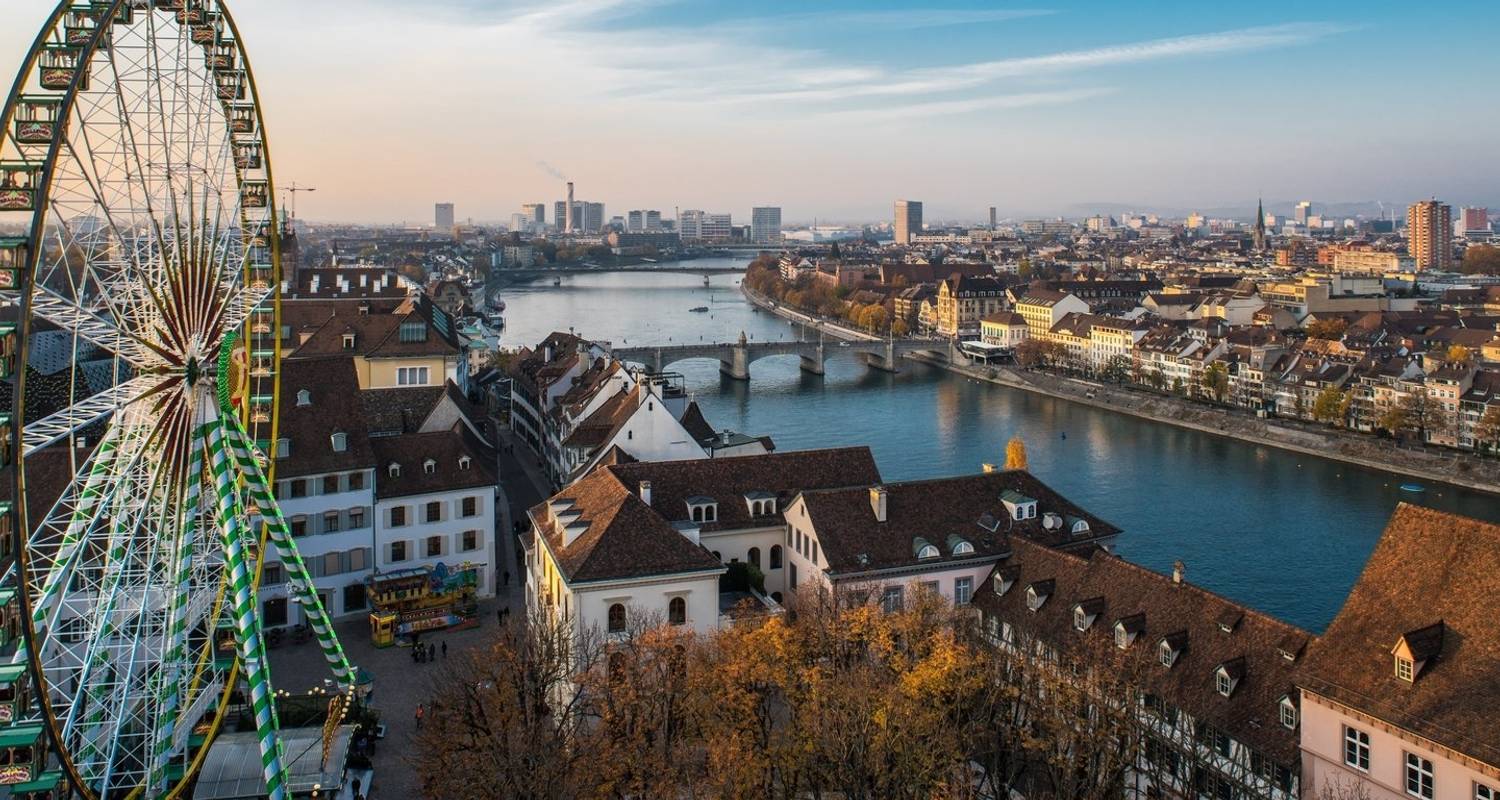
(834, 109)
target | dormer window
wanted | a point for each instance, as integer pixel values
(1019, 505)
(1080, 619)
(348, 341)
(1122, 636)
(1222, 683)
(924, 549)
(1167, 654)
(1405, 670)
(702, 509)
(413, 331)
(1287, 712)
(1227, 676)
(340, 441)
(1170, 648)
(464, 461)
(1005, 577)
(304, 397)
(959, 546)
(1037, 594)
(393, 470)
(1085, 612)
(283, 448)
(429, 466)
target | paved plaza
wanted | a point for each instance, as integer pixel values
(400, 684)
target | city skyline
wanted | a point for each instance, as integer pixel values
(1063, 109)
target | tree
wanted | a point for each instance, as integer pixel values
(1031, 353)
(899, 327)
(1329, 406)
(1331, 329)
(1481, 259)
(1015, 453)
(1458, 354)
(1487, 430)
(497, 724)
(1215, 381)
(1117, 369)
(1156, 378)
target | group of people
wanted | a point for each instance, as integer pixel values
(422, 653)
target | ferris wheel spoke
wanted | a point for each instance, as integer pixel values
(50, 429)
(107, 334)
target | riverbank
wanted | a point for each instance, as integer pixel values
(1360, 449)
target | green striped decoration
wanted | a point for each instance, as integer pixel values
(247, 622)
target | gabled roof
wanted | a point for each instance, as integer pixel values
(445, 449)
(334, 407)
(1429, 566)
(1157, 609)
(971, 506)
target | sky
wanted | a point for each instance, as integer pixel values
(832, 110)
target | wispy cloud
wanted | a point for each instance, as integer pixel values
(924, 112)
(904, 19)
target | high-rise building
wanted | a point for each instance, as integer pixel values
(535, 213)
(908, 220)
(635, 221)
(1302, 212)
(593, 217)
(1474, 222)
(992, 217)
(1429, 226)
(765, 225)
(570, 212)
(653, 220)
(702, 225)
(443, 216)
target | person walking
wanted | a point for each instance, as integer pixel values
(431, 651)
(421, 712)
(445, 648)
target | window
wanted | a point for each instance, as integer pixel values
(356, 481)
(356, 518)
(1418, 776)
(331, 522)
(433, 512)
(398, 516)
(793, 582)
(273, 612)
(272, 574)
(1122, 639)
(677, 611)
(464, 462)
(775, 556)
(1405, 670)
(330, 484)
(892, 599)
(283, 448)
(470, 506)
(413, 331)
(1357, 749)
(333, 563)
(754, 557)
(469, 540)
(393, 470)
(299, 488)
(340, 441)
(398, 551)
(1223, 683)
(304, 397)
(349, 345)
(299, 525)
(1482, 792)
(963, 549)
(1288, 713)
(963, 590)
(1167, 654)
(928, 551)
(1080, 619)
(434, 546)
(359, 559)
(411, 376)
(429, 466)
(617, 618)
(354, 597)
(815, 553)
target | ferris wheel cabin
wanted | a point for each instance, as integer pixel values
(59, 63)
(18, 184)
(36, 119)
(13, 251)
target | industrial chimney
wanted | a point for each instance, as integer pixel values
(568, 210)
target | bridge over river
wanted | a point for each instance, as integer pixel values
(736, 357)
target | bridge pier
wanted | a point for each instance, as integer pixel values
(738, 365)
(884, 362)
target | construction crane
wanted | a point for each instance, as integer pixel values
(293, 189)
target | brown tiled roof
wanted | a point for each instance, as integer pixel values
(729, 480)
(413, 450)
(967, 506)
(696, 424)
(1429, 566)
(399, 410)
(623, 538)
(333, 389)
(1192, 619)
(1005, 318)
(601, 425)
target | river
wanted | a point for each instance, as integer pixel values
(1284, 533)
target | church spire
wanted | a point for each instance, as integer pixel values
(1260, 224)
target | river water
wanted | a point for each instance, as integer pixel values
(1284, 533)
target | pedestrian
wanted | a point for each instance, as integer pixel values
(431, 651)
(414, 654)
(420, 713)
(507, 577)
(445, 648)
(500, 616)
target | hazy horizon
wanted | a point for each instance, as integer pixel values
(388, 108)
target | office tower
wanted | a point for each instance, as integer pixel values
(765, 225)
(1302, 212)
(653, 220)
(908, 220)
(635, 221)
(592, 217)
(690, 224)
(1429, 224)
(443, 216)
(1474, 221)
(536, 213)
(992, 218)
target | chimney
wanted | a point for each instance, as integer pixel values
(646, 492)
(878, 502)
(568, 210)
(1178, 568)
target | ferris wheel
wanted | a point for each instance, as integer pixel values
(139, 336)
